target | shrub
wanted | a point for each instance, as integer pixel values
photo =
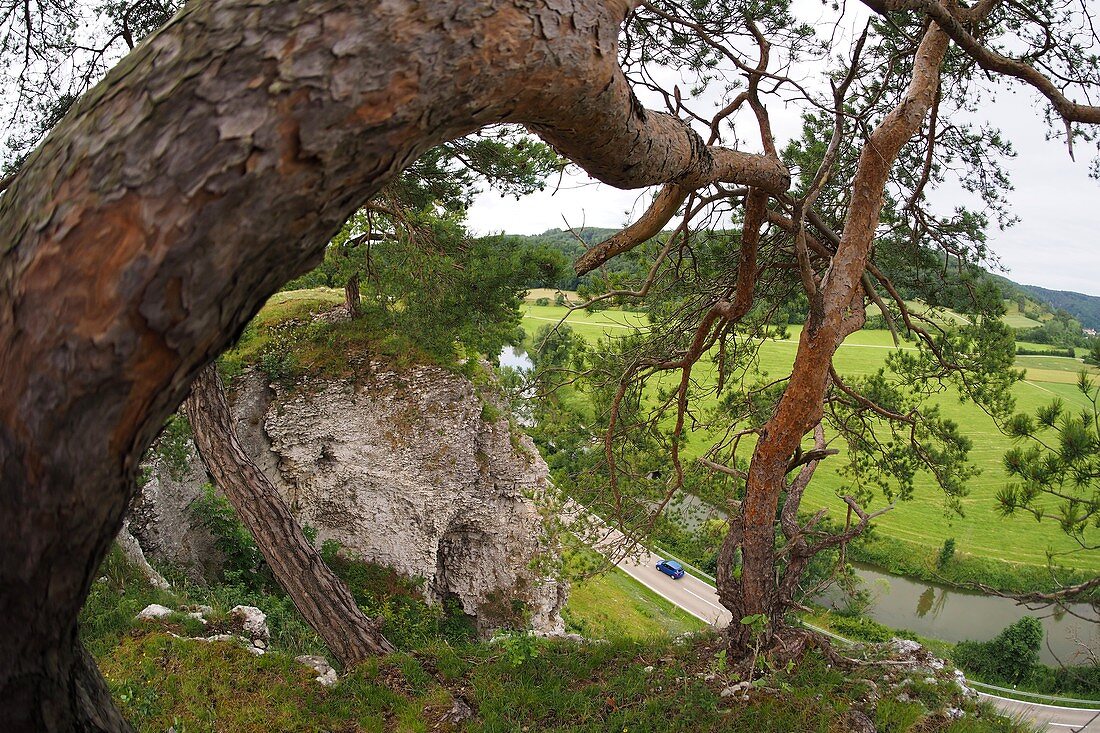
(542, 301)
(946, 552)
(173, 445)
(243, 564)
(1009, 658)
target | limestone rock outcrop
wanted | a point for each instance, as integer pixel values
(411, 469)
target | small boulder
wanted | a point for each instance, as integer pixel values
(907, 647)
(960, 680)
(253, 621)
(326, 675)
(153, 611)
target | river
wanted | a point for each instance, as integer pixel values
(945, 613)
(516, 358)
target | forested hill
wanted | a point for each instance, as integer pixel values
(1085, 308)
(1040, 303)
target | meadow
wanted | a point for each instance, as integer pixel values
(922, 522)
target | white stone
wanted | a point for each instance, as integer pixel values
(233, 638)
(253, 620)
(152, 611)
(960, 680)
(737, 689)
(326, 675)
(905, 646)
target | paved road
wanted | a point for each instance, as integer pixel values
(701, 600)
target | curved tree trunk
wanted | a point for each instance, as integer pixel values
(322, 598)
(834, 314)
(210, 166)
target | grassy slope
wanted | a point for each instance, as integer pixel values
(922, 521)
(615, 605)
(163, 682)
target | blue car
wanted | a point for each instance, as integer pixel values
(671, 568)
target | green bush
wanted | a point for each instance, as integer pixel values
(861, 628)
(947, 552)
(1010, 658)
(243, 564)
(172, 445)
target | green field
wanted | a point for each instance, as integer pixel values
(981, 531)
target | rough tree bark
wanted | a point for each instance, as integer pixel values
(322, 598)
(209, 167)
(836, 310)
(352, 299)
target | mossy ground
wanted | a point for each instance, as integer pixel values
(163, 681)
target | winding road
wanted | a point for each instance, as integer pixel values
(700, 599)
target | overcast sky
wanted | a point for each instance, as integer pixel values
(1055, 244)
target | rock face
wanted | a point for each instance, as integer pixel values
(408, 469)
(160, 519)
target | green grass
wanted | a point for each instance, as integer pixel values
(286, 341)
(614, 605)
(922, 522)
(164, 682)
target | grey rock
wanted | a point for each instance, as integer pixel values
(965, 689)
(399, 468)
(738, 689)
(161, 520)
(253, 621)
(906, 647)
(132, 550)
(153, 611)
(233, 638)
(326, 675)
